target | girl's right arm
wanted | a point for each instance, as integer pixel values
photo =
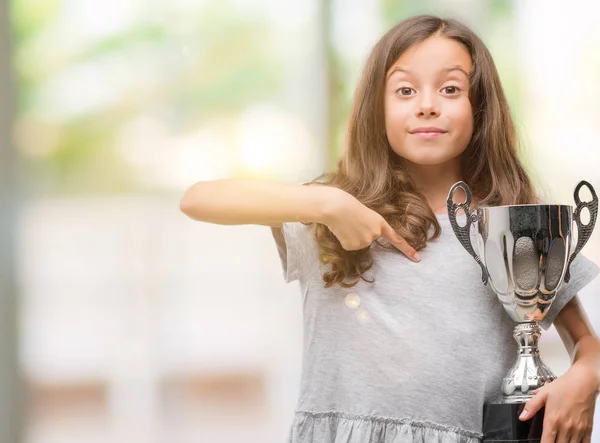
(241, 202)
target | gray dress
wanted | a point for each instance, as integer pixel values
(411, 357)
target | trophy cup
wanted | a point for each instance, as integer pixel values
(524, 254)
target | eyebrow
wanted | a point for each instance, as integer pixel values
(446, 71)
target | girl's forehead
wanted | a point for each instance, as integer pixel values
(433, 55)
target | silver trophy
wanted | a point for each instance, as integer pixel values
(524, 254)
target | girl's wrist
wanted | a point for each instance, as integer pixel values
(327, 203)
(589, 370)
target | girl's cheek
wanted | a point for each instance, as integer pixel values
(462, 111)
(398, 111)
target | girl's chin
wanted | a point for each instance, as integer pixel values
(429, 160)
(429, 156)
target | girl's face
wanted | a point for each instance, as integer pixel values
(428, 115)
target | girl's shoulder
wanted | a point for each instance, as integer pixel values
(298, 250)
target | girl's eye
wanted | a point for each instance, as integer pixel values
(451, 90)
(405, 91)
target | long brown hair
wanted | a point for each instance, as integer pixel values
(374, 174)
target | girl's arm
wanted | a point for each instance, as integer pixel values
(578, 336)
(240, 202)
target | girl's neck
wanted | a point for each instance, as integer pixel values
(435, 181)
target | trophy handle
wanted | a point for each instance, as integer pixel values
(463, 232)
(584, 232)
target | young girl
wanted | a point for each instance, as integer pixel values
(400, 345)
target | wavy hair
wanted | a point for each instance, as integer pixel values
(374, 174)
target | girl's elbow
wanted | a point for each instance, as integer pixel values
(189, 204)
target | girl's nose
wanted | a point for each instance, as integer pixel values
(427, 106)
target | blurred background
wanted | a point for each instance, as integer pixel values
(123, 321)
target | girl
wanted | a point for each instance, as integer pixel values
(400, 345)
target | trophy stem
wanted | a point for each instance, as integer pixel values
(529, 372)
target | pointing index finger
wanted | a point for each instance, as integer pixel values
(399, 242)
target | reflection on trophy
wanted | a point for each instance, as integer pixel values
(524, 254)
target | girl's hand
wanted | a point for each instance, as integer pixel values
(357, 226)
(570, 402)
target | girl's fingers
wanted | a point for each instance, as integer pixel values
(395, 239)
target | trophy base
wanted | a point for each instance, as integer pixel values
(501, 424)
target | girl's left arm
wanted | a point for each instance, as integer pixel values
(570, 399)
(579, 337)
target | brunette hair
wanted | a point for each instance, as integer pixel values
(374, 174)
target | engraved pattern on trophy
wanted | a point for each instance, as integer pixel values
(524, 251)
(584, 232)
(463, 233)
